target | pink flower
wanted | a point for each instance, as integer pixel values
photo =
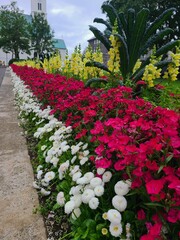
(173, 215)
(155, 186)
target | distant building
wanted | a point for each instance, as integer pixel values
(37, 6)
(95, 43)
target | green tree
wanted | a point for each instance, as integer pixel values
(156, 7)
(14, 36)
(41, 34)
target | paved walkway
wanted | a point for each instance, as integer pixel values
(17, 197)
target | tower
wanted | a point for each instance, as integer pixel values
(38, 6)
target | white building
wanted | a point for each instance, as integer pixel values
(37, 6)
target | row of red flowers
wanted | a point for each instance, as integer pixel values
(138, 140)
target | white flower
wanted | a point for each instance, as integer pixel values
(89, 176)
(119, 202)
(85, 146)
(54, 160)
(74, 149)
(60, 199)
(39, 168)
(99, 190)
(95, 182)
(35, 185)
(64, 166)
(49, 176)
(93, 203)
(83, 160)
(76, 213)
(44, 183)
(44, 192)
(76, 176)
(114, 216)
(115, 229)
(75, 190)
(74, 169)
(73, 159)
(77, 200)
(39, 174)
(82, 181)
(87, 195)
(69, 207)
(100, 171)
(121, 188)
(107, 176)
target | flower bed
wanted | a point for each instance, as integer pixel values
(110, 161)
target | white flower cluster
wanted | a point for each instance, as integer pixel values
(119, 202)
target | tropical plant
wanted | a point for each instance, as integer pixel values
(136, 36)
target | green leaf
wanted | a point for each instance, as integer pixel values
(154, 39)
(137, 35)
(101, 37)
(167, 47)
(100, 20)
(98, 65)
(158, 23)
(124, 56)
(160, 168)
(168, 159)
(154, 204)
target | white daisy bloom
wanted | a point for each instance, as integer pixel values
(74, 149)
(39, 168)
(60, 199)
(106, 176)
(99, 190)
(93, 203)
(87, 195)
(69, 207)
(49, 176)
(100, 171)
(77, 200)
(76, 176)
(83, 160)
(35, 185)
(121, 188)
(95, 182)
(115, 229)
(114, 216)
(89, 176)
(39, 174)
(44, 192)
(119, 202)
(76, 213)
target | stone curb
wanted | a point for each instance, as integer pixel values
(18, 198)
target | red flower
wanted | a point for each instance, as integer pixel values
(141, 214)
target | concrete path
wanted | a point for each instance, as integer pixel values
(17, 197)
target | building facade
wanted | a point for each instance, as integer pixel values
(37, 6)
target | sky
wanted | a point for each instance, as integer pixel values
(69, 19)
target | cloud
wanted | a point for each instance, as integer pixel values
(66, 10)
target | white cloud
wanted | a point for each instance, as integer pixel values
(66, 10)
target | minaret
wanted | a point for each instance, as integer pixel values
(38, 6)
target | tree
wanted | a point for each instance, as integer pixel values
(136, 36)
(156, 7)
(14, 36)
(41, 34)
